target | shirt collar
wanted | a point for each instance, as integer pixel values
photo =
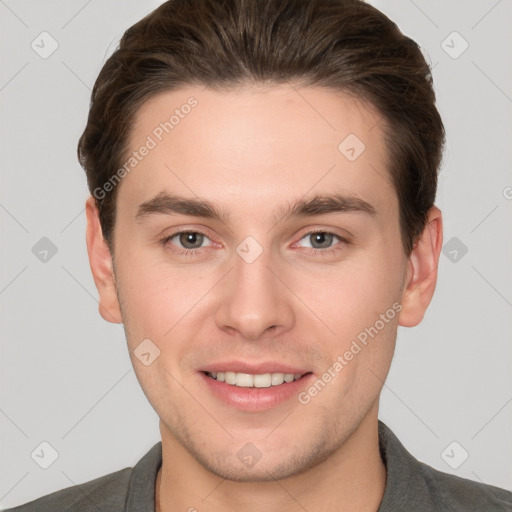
(141, 489)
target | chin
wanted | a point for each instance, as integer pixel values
(249, 464)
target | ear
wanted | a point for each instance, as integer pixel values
(421, 275)
(100, 260)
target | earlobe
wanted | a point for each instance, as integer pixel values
(100, 260)
(422, 271)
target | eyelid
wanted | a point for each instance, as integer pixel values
(345, 236)
(168, 238)
(335, 247)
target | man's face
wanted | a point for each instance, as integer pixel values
(257, 292)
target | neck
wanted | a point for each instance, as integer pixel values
(352, 479)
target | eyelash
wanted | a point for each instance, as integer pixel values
(311, 251)
(184, 252)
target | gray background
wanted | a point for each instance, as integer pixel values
(66, 377)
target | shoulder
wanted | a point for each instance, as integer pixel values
(455, 493)
(104, 493)
(414, 485)
(129, 489)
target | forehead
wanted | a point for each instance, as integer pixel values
(258, 144)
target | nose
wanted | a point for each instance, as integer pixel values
(254, 301)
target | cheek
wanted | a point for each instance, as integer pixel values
(361, 311)
(156, 298)
(352, 295)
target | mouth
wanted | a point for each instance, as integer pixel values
(258, 380)
(262, 390)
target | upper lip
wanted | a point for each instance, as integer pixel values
(254, 368)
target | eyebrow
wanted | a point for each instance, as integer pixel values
(171, 204)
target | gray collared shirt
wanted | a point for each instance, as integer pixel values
(411, 486)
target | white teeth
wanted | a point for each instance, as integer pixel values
(244, 380)
(277, 378)
(263, 381)
(247, 380)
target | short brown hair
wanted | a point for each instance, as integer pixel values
(346, 45)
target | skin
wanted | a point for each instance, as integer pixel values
(250, 151)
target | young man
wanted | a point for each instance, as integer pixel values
(263, 176)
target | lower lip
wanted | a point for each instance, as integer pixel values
(255, 399)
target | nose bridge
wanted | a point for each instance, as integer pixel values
(254, 299)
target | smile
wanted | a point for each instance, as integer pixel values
(248, 380)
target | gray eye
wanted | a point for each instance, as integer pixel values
(321, 240)
(191, 240)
